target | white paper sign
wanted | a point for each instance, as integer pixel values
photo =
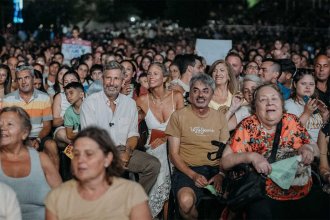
(72, 48)
(212, 50)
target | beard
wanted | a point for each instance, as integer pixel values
(111, 91)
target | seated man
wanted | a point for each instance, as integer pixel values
(38, 105)
(117, 114)
(191, 131)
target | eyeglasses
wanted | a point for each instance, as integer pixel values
(253, 67)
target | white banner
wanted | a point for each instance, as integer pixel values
(212, 50)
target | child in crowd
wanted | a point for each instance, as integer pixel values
(74, 93)
(97, 77)
(142, 86)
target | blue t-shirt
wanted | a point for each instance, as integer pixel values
(285, 91)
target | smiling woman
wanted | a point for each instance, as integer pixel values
(252, 143)
(22, 167)
(226, 84)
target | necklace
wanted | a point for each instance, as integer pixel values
(153, 99)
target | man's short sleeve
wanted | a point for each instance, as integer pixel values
(224, 132)
(47, 114)
(174, 127)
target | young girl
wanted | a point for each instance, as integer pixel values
(82, 71)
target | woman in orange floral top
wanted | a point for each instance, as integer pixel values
(252, 143)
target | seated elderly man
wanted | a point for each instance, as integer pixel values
(191, 131)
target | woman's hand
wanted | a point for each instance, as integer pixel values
(236, 102)
(260, 163)
(310, 106)
(157, 142)
(307, 154)
(323, 110)
(217, 182)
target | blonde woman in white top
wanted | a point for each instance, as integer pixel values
(226, 84)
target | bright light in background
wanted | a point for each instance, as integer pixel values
(132, 19)
(18, 7)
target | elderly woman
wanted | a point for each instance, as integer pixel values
(158, 106)
(239, 110)
(304, 106)
(97, 191)
(226, 84)
(252, 143)
(29, 173)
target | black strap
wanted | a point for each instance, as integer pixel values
(276, 142)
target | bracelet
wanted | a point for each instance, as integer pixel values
(222, 174)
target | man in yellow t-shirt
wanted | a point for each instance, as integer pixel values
(190, 132)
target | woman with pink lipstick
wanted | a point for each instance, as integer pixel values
(312, 112)
(225, 82)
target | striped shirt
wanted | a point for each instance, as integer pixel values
(38, 108)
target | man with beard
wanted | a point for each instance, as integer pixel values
(117, 114)
(190, 132)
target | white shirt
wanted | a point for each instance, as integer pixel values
(120, 125)
(314, 123)
(242, 113)
(9, 206)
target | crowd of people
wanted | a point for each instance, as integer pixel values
(150, 113)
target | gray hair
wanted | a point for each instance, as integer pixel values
(113, 65)
(253, 78)
(203, 78)
(25, 67)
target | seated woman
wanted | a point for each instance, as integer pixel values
(239, 110)
(252, 143)
(97, 192)
(226, 84)
(157, 106)
(304, 106)
(30, 173)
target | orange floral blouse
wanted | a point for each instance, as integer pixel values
(249, 137)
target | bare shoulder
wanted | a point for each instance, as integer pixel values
(57, 98)
(177, 95)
